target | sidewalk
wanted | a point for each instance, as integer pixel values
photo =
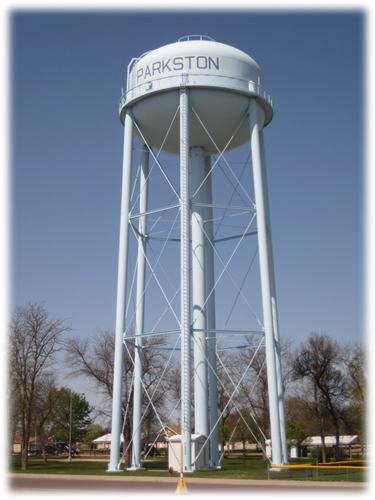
(174, 479)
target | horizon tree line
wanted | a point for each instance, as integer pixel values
(325, 385)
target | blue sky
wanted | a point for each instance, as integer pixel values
(67, 71)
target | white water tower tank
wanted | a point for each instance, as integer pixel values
(220, 79)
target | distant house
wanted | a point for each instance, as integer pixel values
(329, 442)
(160, 439)
(103, 443)
(34, 444)
(313, 441)
(17, 443)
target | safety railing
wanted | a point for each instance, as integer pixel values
(191, 80)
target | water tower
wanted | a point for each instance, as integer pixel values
(195, 98)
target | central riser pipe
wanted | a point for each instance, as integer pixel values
(199, 292)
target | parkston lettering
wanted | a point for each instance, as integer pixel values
(177, 64)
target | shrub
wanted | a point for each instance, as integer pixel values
(312, 455)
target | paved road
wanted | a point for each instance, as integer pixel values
(35, 483)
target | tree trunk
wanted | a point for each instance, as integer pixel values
(9, 454)
(44, 454)
(323, 449)
(10, 442)
(24, 456)
(127, 439)
(25, 434)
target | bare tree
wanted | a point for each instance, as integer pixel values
(254, 387)
(355, 359)
(319, 361)
(307, 405)
(34, 340)
(93, 359)
(227, 397)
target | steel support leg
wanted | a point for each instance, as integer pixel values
(114, 464)
(284, 443)
(138, 354)
(265, 284)
(185, 283)
(211, 318)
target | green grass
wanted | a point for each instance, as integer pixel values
(251, 467)
(235, 468)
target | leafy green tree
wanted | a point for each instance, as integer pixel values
(246, 430)
(224, 435)
(80, 416)
(296, 433)
(92, 432)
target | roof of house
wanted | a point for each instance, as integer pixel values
(106, 439)
(328, 440)
(18, 439)
(194, 437)
(175, 429)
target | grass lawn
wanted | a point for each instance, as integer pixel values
(251, 467)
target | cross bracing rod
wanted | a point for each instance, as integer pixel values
(220, 240)
(166, 332)
(132, 344)
(143, 348)
(235, 404)
(236, 386)
(173, 240)
(150, 398)
(238, 347)
(161, 147)
(224, 207)
(236, 237)
(225, 268)
(154, 275)
(231, 332)
(156, 210)
(162, 349)
(221, 153)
